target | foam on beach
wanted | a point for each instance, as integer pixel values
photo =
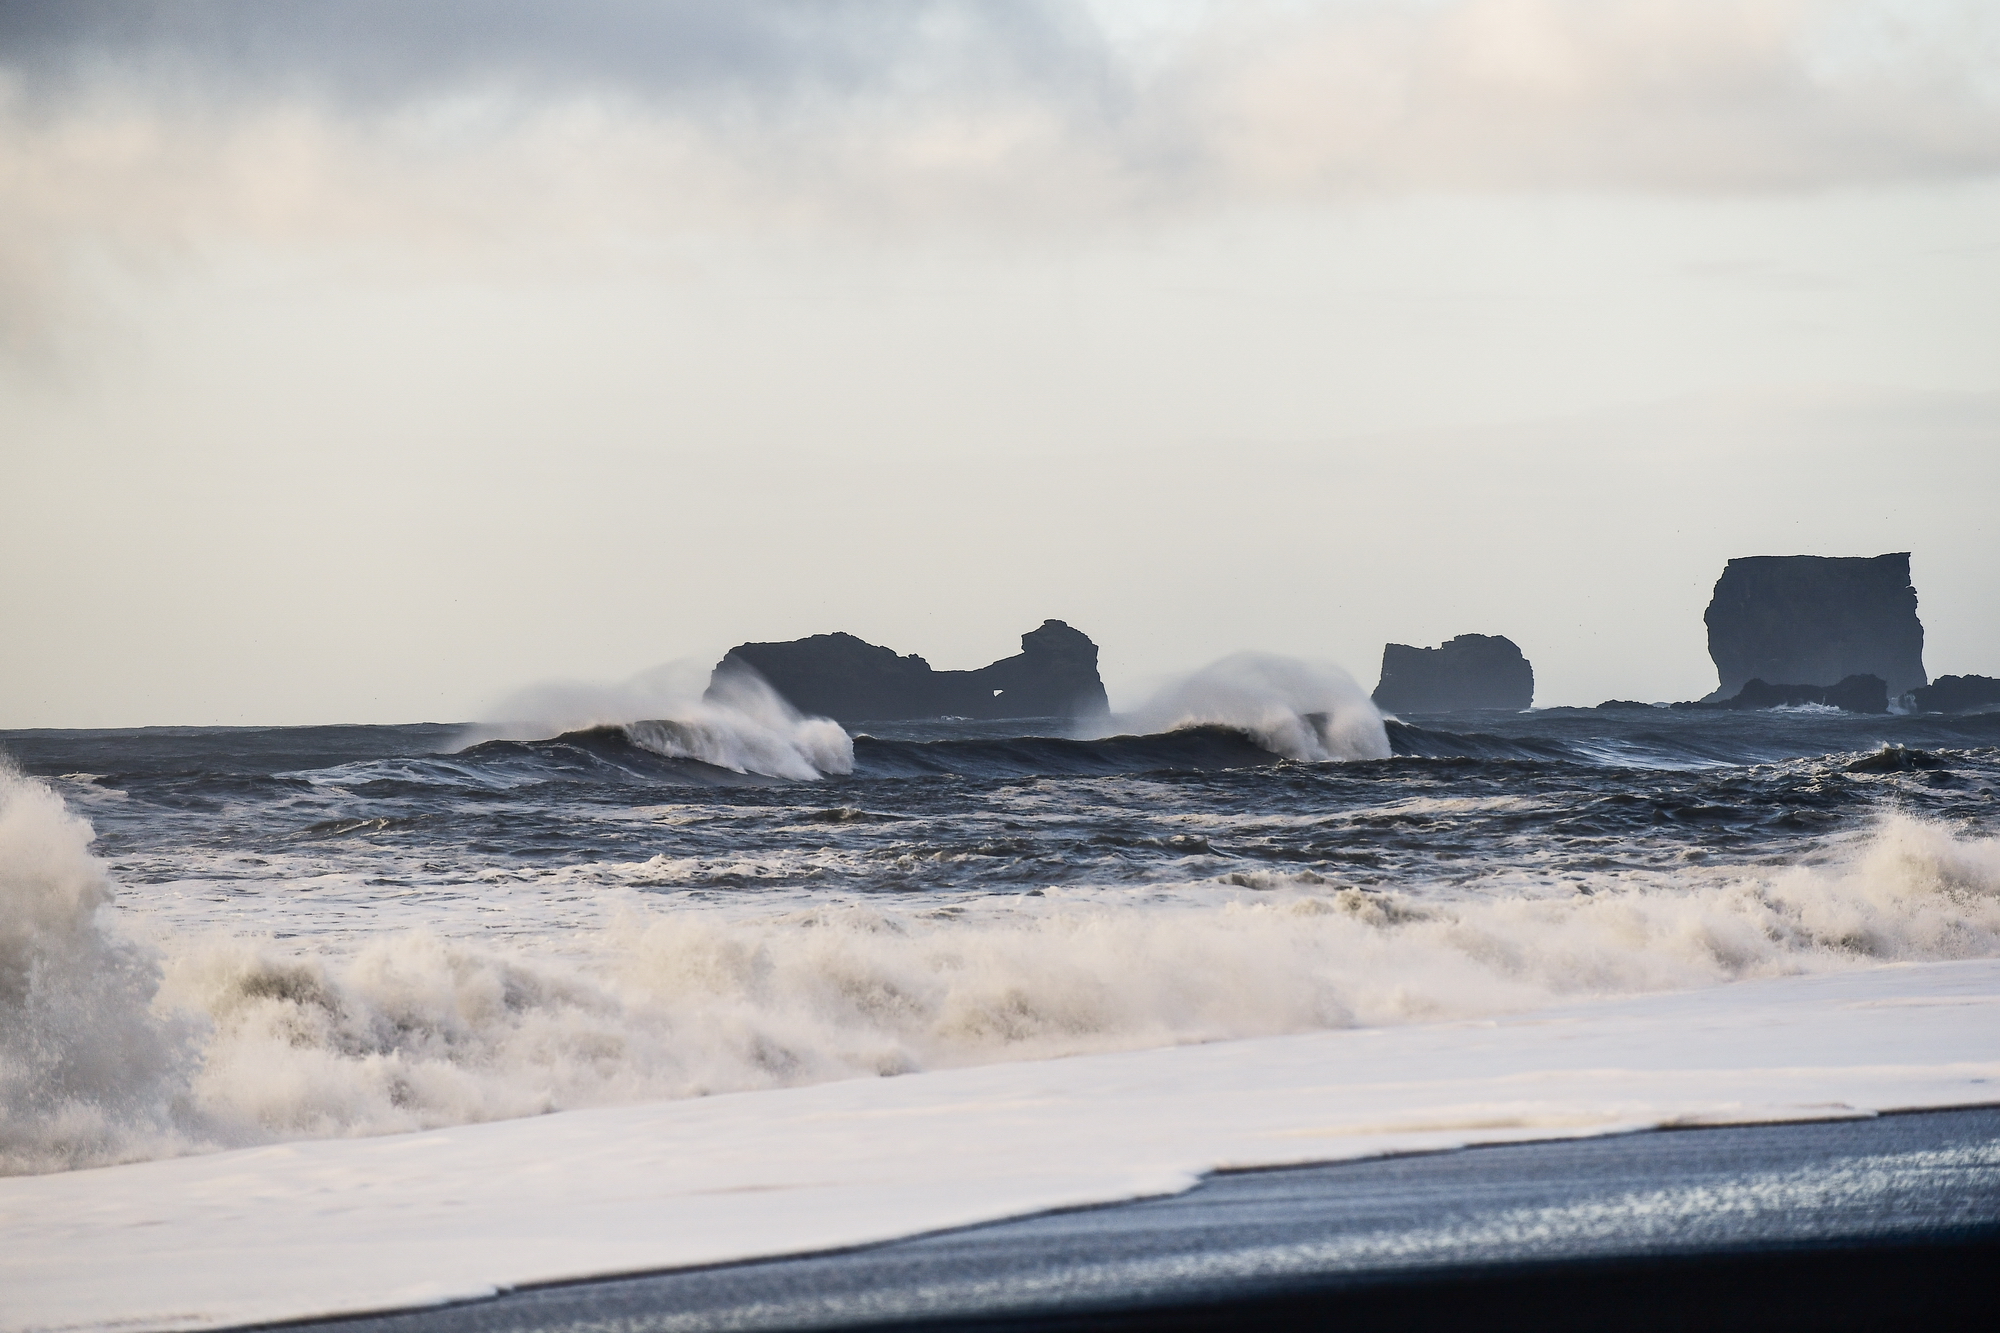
(342, 1226)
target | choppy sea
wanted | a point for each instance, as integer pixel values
(218, 936)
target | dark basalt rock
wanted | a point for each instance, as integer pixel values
(1471, 671)
(849, 680)
(1621, 706)
(1957, 694)
(1817, 620)
(1855, 694)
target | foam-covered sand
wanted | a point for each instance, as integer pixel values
(333, 1226)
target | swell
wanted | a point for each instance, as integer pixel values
(1409, 741)
(1190, 748)
(651, 755)
(616, 754)
(601, 754)
(209, 768)
(1657, 740)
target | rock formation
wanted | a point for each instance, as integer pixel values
(1855, 694)
(1471, 671)
(1815, 620)
(1957, 694)
(849, 680)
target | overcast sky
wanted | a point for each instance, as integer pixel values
(372, 361)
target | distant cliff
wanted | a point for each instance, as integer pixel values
(850, 680)
(1471, 671)
(1816, 620)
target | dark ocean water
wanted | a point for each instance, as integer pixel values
(941, 809)
(357, 929)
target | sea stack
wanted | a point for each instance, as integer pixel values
(1471, 671)
(1855, 694)
(850, 680)
(1958, 694)
(1816, 620)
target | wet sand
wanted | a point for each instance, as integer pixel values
(1891, 1221)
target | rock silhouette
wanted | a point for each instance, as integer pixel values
(851, 680)
(1815, 620)
(1957, 694)
(1471, 671)
(1855, 694)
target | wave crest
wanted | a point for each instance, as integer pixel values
(87, 1073)
(1306, 711)
(740, 723)
(417, 1031)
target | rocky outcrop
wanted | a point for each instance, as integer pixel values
(1816, 620)
(850, 680)
(1471, 671)
(1855, 694)
(1957, 694)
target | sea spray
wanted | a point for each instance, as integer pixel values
(1306, 711)
(743, 724)
(738, 723)
(88, 1073)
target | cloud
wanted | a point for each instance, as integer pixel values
(1673, 94)
(687, 56)
(142, 127)
(1660, 95)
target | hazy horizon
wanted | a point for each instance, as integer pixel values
(373, 362)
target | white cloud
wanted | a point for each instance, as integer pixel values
(145, 128)
(1582, 94)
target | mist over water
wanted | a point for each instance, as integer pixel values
(333, 931)
(1300, 710)
(736, 722)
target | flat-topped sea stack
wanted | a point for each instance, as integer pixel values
(850, 680)
(1816, 620)
(1471, 671)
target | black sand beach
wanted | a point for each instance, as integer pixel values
(1891, 1222)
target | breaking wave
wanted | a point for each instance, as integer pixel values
(88, 1072)
(111, 1052)
(739, 723)
(1305, 711)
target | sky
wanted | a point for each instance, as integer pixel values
(375, 361)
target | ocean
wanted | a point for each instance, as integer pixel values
(214, 938)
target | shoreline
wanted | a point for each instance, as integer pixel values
(329, 1228)
(1860, 1223)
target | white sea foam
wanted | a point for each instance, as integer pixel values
(738, 722)
(87, 1072)
(251, 1238)
(247, 1041)
(1302, 710)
